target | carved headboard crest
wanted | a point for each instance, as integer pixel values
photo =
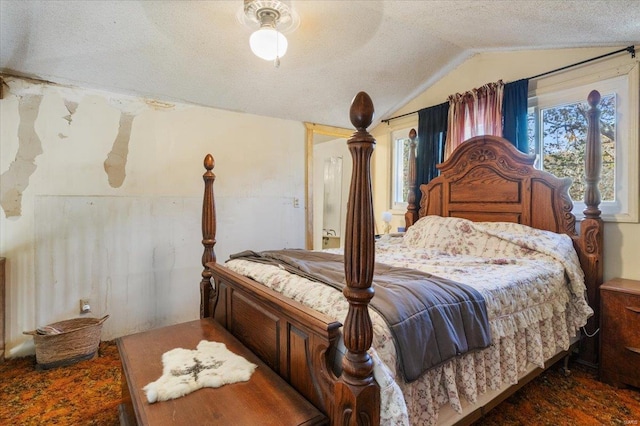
(500, 155)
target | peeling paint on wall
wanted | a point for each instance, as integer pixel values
(129, 249)
(71, 108)
(15, 180)
(115, 164)
(158, 105)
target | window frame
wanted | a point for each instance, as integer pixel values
(574, 86)
(395, 135)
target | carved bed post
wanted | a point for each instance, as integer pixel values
(591, 227)
(207, 291)
(357, 395)
(411, 216)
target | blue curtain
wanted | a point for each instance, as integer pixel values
(514, 114)
(432, 134)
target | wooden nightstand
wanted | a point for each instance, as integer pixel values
(620, 332)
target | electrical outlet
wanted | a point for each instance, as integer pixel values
(85, 307)
(296, 202)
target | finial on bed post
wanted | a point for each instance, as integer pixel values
(207, 291)
(357, 395)
(411, 216)
(591, 229)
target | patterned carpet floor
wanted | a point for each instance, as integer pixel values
(88, 393)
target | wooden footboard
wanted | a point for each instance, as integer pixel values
(298, 343)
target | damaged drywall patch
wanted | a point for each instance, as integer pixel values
(2, 84)
(115, 164)
(71, 109)
(159, 105)
(16, 179)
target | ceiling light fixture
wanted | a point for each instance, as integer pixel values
(273, 17)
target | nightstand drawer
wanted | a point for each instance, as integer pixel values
(620, 332)
(626, 365)
(621, 318)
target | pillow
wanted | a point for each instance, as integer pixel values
(450, 234)
(457, 236)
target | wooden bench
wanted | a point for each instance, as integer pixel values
(266, 399)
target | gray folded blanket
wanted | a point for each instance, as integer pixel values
(432, 319)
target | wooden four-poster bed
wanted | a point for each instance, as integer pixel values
(332, 364)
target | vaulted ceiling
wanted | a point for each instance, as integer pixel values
(198, 52)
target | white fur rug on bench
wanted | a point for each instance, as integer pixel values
(211, 364)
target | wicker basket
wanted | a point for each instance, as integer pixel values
(76, 340)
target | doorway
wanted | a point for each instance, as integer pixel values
(326, 143)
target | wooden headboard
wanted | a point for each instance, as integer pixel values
(487, 179)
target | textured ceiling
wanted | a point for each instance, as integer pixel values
(197, 51)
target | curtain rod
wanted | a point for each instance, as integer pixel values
(631, 49)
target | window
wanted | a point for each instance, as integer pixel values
(400, 146)
(557, 131)
(557, 136)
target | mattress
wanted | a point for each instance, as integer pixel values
(532, 285)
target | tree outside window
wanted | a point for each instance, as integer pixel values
(558, 134)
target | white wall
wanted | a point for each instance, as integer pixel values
(130, 240)
(622, 240)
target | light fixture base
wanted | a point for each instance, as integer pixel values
(257, 11)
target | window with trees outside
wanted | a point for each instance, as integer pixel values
(400, 145)
(557, 136)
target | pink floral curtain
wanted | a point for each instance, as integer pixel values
(476, 112)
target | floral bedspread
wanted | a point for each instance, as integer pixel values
(532, 284)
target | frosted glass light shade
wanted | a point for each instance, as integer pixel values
(386, 217)
(268, 44)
